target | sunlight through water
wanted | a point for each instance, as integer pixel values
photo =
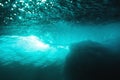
(27, 50)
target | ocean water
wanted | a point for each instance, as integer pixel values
(33, 53)
(36, 35)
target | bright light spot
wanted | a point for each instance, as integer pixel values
(21, 9)
(14, 6)
(37, 43)
(12, 9)
(11, 18)
(38, 3)
(27, 5)
(15, 14)
(19, 17)
(33, 43)
(1, 4)
(22, 1)
(43, 1)
(30, 50)
(6, 2)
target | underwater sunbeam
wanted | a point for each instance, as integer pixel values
(30, 49)
(34, 43)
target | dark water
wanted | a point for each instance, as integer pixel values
(36, 35)
(34, 57)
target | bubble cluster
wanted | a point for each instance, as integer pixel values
(25, 10)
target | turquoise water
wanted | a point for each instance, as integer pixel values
(36, 35)
(50, 43)
(30, 50)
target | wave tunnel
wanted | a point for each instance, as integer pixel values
(36, 36)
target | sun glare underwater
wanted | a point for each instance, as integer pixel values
(39, 33)
(49, 46)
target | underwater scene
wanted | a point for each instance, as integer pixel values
(59, 39)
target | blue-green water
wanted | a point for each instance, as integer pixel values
(36, 35)
(38, 52)
(49, 44)
(30, 50)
